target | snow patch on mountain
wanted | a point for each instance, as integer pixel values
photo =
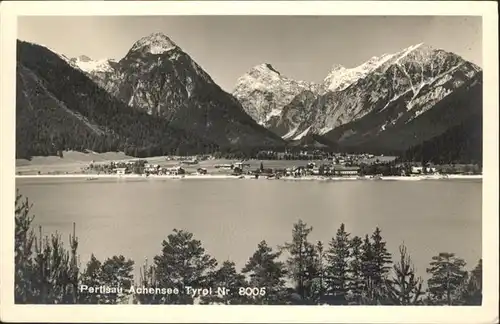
(340, 77)
(407, 51)
(274, 112)
(290, 133)
(88, 65)
(304, 133)
(325, 130)
(156, 43)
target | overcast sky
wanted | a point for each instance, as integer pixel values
(227, 46)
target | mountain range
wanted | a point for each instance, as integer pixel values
(387, 104)
(394, 103)
(157, 77)
(77, 103)
(59, 108)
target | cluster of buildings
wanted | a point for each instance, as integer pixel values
(188, 159)
(156, 169)
(336, 158)
(423, 170)
(320, 170)
(118, 167)
(232, 166)
(340, 165)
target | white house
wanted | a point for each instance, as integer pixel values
(420, 170)
(346, 171)
(121, 170)
(224, 166)
(174, 170)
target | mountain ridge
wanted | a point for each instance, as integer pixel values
(368, 107)
(266, 82)
(59, 107)
(158, 77)
(392, 88)
(340, 78)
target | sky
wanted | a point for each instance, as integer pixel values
(300, 47)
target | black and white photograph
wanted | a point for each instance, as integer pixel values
(288, 160)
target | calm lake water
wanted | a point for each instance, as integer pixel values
(230, 217)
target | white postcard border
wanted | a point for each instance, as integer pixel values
(487, 313)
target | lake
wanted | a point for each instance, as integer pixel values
(230, 217)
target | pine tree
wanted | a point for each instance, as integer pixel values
(52, 278)
(55, 278)
(381, 258)
(404, 288)
(356, 282)
(117, 272)
(227, 277)
(267, 272)
(375, 266)
(322, 274)
(337, 257)
(368, 272)
(45, 272)
(312, 275)
(24, 239)
(73, 271)
(183, 263)
(301, 263)
(473, 291)
(91, 277)
(447, 275)
(148, 278)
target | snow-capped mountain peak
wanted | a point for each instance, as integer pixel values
(402, 85)
(337, 67)
(340, 77)
(156, 43)
(264, 70)
(268, 67)
(84, 58)
(426, 50)
(86, 64)
(269, 91)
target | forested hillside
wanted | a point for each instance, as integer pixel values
(460, 144)
(59, 107)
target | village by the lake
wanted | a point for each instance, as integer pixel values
(313, 164)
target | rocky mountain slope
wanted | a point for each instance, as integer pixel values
(59, 108)
(397, 127)
(373, 103)
(264, 92)
(156, 76)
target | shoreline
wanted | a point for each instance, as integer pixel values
(249, 177)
